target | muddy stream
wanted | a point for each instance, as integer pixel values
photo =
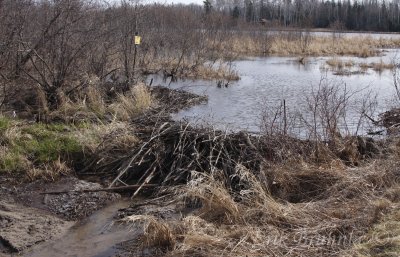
(93, 236)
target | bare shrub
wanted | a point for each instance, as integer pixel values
(56, 51)
(328, 105)
(279, 121)
(323, 119)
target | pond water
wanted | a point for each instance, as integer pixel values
(266, 82)
(346, 34)
(358, 34)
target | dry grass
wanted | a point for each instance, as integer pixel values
(339, 64)
(88, 105)
(288, 209)
(132, 103)
(114, 134)
(91, 106)
(36, 151)
(379, 66)
(383, 240)
(362, 46)
(90, 124)
(95, 100)
(220, 71)
(49, 172)
(156, 233)
(320, 46)
(216, 203)
(192, 68)
(344, 67)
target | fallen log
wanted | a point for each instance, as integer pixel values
(111, 189)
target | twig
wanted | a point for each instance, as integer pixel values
(112, 189)
(370, 118)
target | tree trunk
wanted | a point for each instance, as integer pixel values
(52, 98)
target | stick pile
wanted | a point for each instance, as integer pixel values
(168, 155)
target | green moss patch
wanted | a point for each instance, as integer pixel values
(45, 143)
(4, 124)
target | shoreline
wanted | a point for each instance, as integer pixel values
(243, 147)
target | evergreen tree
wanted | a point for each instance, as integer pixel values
(207, 6)
(236, 12)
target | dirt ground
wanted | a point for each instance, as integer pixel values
(31, 220)
(23, 227)
(28, 218)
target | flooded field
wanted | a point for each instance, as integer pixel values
(266, 82)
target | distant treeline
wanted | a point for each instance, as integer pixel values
(368, 15)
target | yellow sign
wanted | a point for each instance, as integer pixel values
(137, 40)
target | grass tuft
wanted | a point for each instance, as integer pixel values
(216, 202)
(155, 233)
(339, 64)
(4, 123)
(132, 103)
(12, 161)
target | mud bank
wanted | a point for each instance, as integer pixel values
(29, 218)
(31, 221)
(23, 227)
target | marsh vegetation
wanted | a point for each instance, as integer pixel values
(295, 174)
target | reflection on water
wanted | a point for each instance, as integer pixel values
(265, 82)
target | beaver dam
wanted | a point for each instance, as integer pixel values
(203, 192)
(102, 154)
(113, 174)
(240, 195)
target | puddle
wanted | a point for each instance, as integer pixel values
(94, 236)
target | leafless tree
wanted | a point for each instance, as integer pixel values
(54, 47)
(55, 54)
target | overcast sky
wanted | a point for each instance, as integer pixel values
(200, 2)
(180, 1)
